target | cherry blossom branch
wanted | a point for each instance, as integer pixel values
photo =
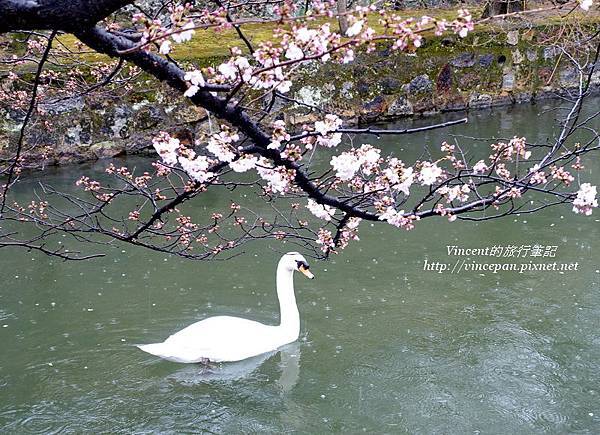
(359, 183)
(106, 43)
(236, 24)
(32, 105)
(384, 132)
(70, 255)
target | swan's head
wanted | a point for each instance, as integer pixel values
(295, 261)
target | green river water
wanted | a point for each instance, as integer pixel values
(386, 346)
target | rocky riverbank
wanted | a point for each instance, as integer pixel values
(446, 74)
(488, 70)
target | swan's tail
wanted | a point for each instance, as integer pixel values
(157, 349)
(166, 351)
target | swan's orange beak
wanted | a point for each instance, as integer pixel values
(302, 268)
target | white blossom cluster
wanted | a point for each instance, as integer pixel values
(586, 199)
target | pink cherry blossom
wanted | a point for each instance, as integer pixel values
(278, 135)
(345, 165)
(294, 52)
(517, 144)
(480, 167)
(560, 174)
(325, 239)
(429, 173)
(304, 34)
(326, 127)
(399, 177)
(279, 179)
(191, 91)
(456, 192)
(228, 70)
(348, 56)
(165, 47)
(464, 23)
(353, 223)
(537, 177)
(503, 171)
(586, 199)
(324, 212)
(244, 163)
(196, 168)
(196, 80)
(447, 148)
(369, 157)
(406, 180)
(355, 28)
(166, 147)
(514, 192)
(186, 34)
(398, 219)
(220, 144)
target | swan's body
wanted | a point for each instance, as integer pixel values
(221, 338)
(226, 338)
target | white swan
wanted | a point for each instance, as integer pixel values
(226, 338)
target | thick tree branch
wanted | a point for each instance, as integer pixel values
(115, 46)
(67, 15)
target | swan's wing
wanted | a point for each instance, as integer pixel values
(220, 338)
(216, 329)
(220, 333)
(225, 338)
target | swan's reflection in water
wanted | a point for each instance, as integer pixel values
(195, 374)
(290, 366)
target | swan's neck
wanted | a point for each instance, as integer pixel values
(290, 317)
